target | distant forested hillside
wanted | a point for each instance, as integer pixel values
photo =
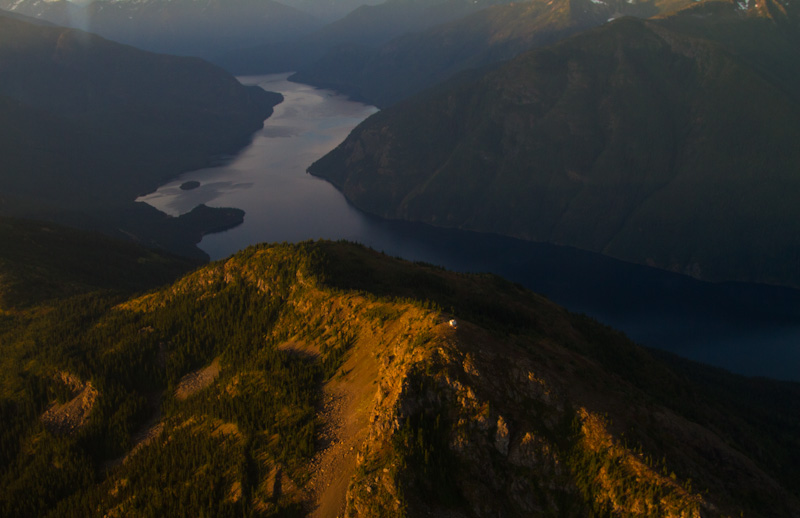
(668, 142)
(88, 125)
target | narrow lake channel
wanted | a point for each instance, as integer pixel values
(750, 329)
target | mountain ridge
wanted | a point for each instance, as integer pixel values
(333, 357)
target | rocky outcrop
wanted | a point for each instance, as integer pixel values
(69, 417)
(463, 422)
(197, 380)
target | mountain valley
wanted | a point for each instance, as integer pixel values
(322, 378)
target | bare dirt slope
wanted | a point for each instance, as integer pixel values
(197, 380)
(349, 404)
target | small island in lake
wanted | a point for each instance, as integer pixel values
(188, 186)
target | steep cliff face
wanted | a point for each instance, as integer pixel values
(339, 386)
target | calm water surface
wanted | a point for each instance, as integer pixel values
(749, 329)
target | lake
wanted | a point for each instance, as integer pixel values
(745, 328)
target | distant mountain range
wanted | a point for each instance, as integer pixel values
(366, 27)
(329, 10)
(327, 378)
(88, 125)
(185, 27)
(411, 62)
(669, 142)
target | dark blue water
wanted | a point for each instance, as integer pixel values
(745, 328)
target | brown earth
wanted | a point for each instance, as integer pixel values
(350, 399)
(197, 380)
(67, 418)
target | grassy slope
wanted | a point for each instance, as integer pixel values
(424, 406)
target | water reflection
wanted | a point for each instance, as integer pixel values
(745, 328)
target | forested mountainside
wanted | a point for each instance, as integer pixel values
(411, 62)
(88, 125)
(325, 376)
(185, 27)
(668, 142)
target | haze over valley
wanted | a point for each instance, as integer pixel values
(443, 176)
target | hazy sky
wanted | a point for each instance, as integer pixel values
(326, 9)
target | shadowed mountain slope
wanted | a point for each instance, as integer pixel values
(42, 262)
(639, 139)
(324, 379)
(88, 125)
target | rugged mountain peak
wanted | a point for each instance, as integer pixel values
(473, 425)
(423, 417)
(334, 384)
